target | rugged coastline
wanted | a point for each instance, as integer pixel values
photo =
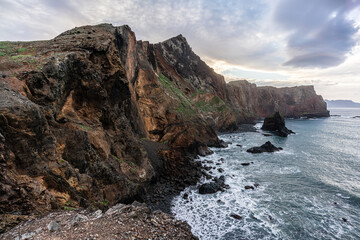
(94, 117)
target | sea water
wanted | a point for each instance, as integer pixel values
(310, 190)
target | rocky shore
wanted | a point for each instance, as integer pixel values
(134, 221)
(94, 118)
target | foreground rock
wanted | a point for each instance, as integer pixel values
(217, 185)
(121, 221)
(266, 147)
(276, 123)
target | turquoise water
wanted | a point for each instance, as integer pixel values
(305, 191)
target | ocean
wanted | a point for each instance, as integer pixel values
(310, 190)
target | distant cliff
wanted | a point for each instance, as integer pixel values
(83, 116)
(249, 100)
(342, 104)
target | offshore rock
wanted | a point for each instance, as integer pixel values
(266, 147)
(276, 123)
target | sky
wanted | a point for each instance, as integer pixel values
(268, 42)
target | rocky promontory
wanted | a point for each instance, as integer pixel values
(93, 118)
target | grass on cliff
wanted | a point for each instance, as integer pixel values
(185, 105)
(216, 104)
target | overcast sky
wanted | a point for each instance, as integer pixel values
(268, 42)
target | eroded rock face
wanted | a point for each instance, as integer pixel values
(248, 101)
(71, 125)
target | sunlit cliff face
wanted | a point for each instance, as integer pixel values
(280, 42)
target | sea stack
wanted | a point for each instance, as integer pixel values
(276, 123)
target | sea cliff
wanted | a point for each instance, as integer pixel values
(94, 117)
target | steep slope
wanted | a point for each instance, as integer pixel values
(93, 117)
(73, 111)
(205, 90)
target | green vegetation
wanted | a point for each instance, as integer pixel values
(7, 48)
(20, 50)
(199, 92)
(86, 128)
(69, 208)
(185, 105)
(6, 45)
(21, 58)
(132, 170)
(131, 164)
(215, 105)
(105, 203)
(119, 159)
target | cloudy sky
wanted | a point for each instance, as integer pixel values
(268, 42)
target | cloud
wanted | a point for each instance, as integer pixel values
(321, 34)
(274, 41)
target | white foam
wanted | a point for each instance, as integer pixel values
(287, 170)
(342, 196)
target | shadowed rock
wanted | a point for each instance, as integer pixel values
(276, 123)
(217, 185)
(267, 147)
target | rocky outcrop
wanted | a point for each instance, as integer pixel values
(266, 147)
(250, 101)
(218, 184)
(72, 120)
(276, 123)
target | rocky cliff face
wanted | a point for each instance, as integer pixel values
(250, 101)
(83, 116)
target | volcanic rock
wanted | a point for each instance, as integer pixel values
(135, 221)
(276, 123)
(236, 216)
(217, 185)
(266, 147)
(247, 187)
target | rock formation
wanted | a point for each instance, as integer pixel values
(218, 184)
(79, 112)
(276, 123)
(250, 101)
(266, 147)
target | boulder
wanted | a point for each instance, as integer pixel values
(276, 123)
(266, 147)
(217, 185)
(236, 216)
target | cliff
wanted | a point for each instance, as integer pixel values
(94, 116)
(248, 100)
